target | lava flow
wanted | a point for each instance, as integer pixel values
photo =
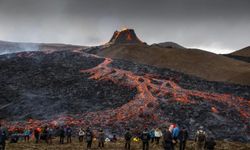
(144, 108)
(148, 94)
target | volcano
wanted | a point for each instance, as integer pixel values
(125, 36)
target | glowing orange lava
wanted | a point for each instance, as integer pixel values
(150, 89)
(145, 96)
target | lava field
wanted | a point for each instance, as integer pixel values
(73, 87)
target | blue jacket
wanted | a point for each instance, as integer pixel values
(176, 132)
(152, 134)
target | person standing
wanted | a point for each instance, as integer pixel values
(62, 135)
(37, 133)
(200, 139)
(69, 134)
(81, 135)
(3, 138)
(127, 138)
(158, 135)
(50, 135)
(175, 134)
(114, 138)
(101, 139)
(27, 135)
(89, 138)
(45, 134)
(168, 139)
(145, 137)
(183, 136)
(152, 135)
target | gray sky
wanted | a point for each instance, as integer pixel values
(220, 26)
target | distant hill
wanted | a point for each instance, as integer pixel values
(169, 45)
(245, 52)
(242, 54)
(13, 47)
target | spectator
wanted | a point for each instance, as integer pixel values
(69, 134)
(127, 138)
(81, 135)
(158, 135)
(183, 136)
(27, 133)
(62, 135)
(145, 137)
(37, 133)
(89, 138)
(101, 139)
(200, 139)
(168, 139)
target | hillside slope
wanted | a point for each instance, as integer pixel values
(242, 54)
(245, 52)
(196, 62)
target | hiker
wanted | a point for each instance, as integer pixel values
(3, 138)
(127, 138)
(200, 139)
(45, 134)
(145, 137)
(81, 135)
(27, 133)
(37, 134)
(89, 138)
(158, 135)
(50, 135)
(114, 139)
(210, 144)
(62, 135)
(14, 137)
(69, 134)
(168, 139)
(152, 135)
(101, 139)
(175, 134)
(183, 136)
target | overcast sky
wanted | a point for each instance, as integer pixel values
(220, 26)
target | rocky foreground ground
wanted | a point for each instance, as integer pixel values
(72, 87)
(221, 145)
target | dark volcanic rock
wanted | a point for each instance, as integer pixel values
(43, 86)
(115, 94)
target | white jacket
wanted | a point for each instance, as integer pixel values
(158, 133)
(81, 133)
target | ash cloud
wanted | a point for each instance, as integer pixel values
(220, 26)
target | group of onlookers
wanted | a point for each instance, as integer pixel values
(170, 136)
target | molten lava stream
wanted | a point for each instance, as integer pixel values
(144, 96)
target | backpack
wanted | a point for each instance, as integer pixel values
(69, 131)
(145, 136)
(201, 136)
(81, 133)
(128, 136)
(88, 136)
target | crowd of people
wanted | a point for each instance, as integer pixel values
(170, 136)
